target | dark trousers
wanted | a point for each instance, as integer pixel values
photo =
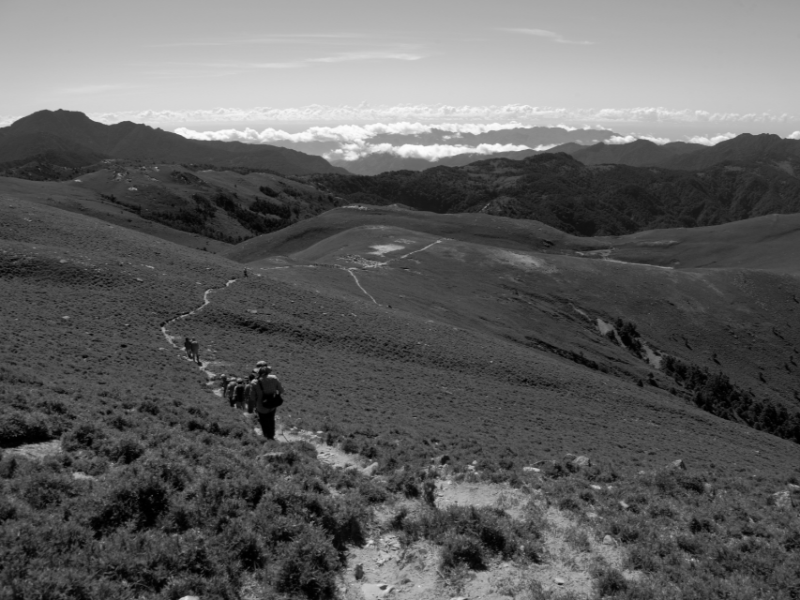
(267, 421)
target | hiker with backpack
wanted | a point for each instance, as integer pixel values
(196, 351)
(228, 393)
(250, 393)
(187, 345)
(238, 394)
(269, 396)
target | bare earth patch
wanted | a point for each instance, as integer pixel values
(38, 451)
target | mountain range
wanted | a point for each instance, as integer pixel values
(685, 156)
(475, 405)
(71, 139)
(559, 190)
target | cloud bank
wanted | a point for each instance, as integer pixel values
(794, 136)
(712, 140)
(627, 139)
(522, 113)
(342, 133)
(431, 152)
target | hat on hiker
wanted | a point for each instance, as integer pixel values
(261, 363)
(264, 371)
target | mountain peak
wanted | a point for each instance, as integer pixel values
(46, 119)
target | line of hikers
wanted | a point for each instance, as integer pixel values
(260, 394)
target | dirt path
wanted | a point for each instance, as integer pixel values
(361, 287)
(174, 341)
(389, 570)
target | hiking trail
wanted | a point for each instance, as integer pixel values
(413, 573)
(174, 341)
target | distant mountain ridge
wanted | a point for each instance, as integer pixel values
(586, 200)
(684, 156)
(532, 137)
(71, 139)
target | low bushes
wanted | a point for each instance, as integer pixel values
(17, 427)
(471, 536)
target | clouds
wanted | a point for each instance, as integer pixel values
(549, 35)
(794, 136)
(344, 134)
(430, 152)
(711, 140)
(627, 139)
(432, 141)
(522, 113)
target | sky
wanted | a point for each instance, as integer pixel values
(667, 69)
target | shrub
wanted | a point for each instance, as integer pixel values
(308, 565)
(459, 549)
(84, 436)
(350, 446)
(125, 451)
(610, 582)
(43, 490)
(139, 502)
(22, 428)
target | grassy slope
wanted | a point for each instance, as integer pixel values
(719, 319)
(179, 503)
(770, 242)
(519, 234)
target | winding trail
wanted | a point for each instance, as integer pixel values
(421, 249)
(174, 341)
(330, 455)
(358, 283)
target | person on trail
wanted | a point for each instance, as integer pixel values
(238, 394)
(245, 271)
(229, 390)
(196, 351)
(249, 393)
(259, 365)
(223, 379)
(269, 392)
(187, 345)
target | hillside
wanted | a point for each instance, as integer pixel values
(122, 472)
(639, 153)
(559, 191)
(71, 139)
(201, 207)
(543, 289)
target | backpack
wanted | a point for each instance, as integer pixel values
(238, 394)
(269, 401)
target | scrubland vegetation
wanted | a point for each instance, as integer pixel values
(150, 486)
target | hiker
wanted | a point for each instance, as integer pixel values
(259, 365)
(196, 351)
(269, 393)
(238, 394)
(245, 271)
(223, 379)
(187, 345)
(229, 390)
(250, 393)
